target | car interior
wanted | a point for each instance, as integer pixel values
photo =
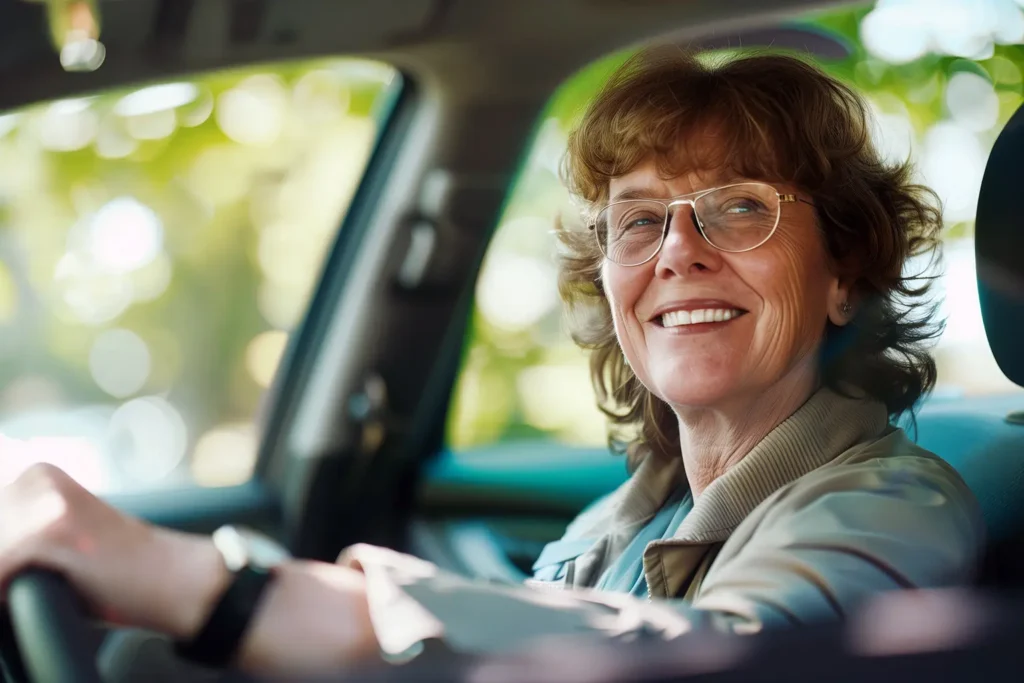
(352, 443)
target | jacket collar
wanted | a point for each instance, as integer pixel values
(825, 426)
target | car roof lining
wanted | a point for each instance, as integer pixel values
(523, 46)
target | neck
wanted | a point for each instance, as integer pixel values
(715, 438)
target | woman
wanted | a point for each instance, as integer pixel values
(741, 288)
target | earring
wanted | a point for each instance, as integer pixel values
(846, 308)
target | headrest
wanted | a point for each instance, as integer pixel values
(999, 249)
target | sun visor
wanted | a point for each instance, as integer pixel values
(999, 249)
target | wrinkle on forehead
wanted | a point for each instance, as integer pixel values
(660, 185)
(713, 155)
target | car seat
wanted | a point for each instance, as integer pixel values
(984, 438)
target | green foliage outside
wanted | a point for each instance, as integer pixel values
(157, 244)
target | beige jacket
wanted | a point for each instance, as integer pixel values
(833, 506)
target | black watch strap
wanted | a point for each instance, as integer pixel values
(219, 639)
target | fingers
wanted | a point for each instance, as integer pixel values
(35, 521)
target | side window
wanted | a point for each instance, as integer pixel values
(157, 246)
(523, 379)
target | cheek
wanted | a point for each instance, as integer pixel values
(623, 289)
(794, 284)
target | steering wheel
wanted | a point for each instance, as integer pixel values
(51, 629)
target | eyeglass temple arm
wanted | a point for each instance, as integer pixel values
(790, 198)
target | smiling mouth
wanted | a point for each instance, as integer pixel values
(699, 316)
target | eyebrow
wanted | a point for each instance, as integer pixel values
(644, 193)
(635, 193)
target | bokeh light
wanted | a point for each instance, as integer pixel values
(279, 307)
(283, 252)
(150, 281)
(225, 455)
(893, 129)
(198, 111)
(515, 292)
(154, 126)
(972, 101)
(220, 174)
(113, 141)
(263, 355)
(156, 98)
(558, 398)
(68, 125)
(147, 439)
(120, 362)
(124, 235)
(91, 294)
(254, 111)
(893, 32)
(321, 96)
(952, 162)
(901, 31)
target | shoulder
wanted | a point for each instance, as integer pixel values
(886, 483)
(886, 504)
(891, 459)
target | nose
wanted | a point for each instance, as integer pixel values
(685, 251)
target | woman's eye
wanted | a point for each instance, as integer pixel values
(641, 221)
(741, 206)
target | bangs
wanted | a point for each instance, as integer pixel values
(718, 145)
(769, 125)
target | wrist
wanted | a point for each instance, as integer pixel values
(196, 577)
(252, 562)
(315, 618)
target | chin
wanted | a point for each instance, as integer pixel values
(695, 385)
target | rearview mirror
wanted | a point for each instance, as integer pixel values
(75, 32)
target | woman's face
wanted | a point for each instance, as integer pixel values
(783, 292)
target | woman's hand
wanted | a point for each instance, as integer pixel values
(128, 572)
(314, 617)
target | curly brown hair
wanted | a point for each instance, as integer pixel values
(781, 120)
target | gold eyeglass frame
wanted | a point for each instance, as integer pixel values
(692, 199)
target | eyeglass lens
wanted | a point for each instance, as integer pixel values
(735, 218)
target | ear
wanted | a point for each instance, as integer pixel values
(841, 306)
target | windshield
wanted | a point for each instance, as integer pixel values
(157, 246)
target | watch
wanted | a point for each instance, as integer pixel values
(250, 557)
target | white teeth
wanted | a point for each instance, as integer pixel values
(706, 315)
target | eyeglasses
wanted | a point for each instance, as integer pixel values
(732, 218)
